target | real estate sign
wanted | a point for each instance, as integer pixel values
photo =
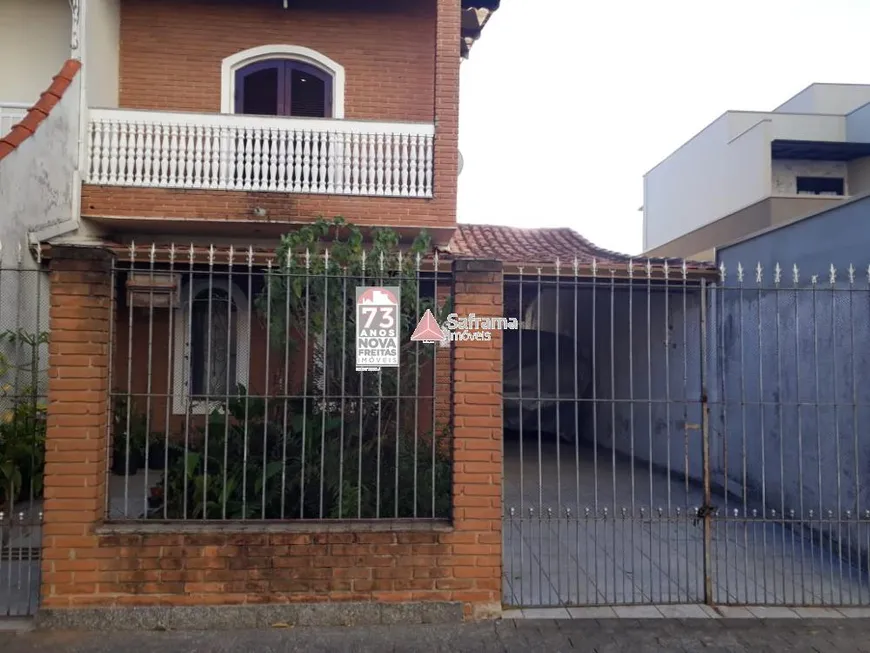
(377, 328)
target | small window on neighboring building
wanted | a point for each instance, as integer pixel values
(821, 186)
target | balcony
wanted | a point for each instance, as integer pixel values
(226, 152)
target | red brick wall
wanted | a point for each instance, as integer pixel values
(401, 61)
(75, 449)
(171, 51)
(83, 566)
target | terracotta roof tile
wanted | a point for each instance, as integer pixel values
(515, 245)
(39, 111)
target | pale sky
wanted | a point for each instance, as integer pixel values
(565, 104)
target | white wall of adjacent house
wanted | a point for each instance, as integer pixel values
(34, 44)
(832, 99)
(785, 174)
(723, 169)
(101, 54)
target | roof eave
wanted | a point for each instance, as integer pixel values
(475, 15)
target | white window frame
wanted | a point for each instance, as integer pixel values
(182, 347)
(234, 62)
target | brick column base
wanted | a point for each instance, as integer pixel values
(477, 433)
(98, 574)
(76, 434)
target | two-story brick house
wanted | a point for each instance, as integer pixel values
(224, 126)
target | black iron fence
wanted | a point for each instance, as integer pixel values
(23, 399)
(675, 436)
(236, 393)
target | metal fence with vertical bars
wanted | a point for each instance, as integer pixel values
(675, 435)
(235, 394)
(23, 396)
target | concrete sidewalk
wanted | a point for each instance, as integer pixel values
(521, 636)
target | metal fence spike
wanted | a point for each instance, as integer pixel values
(777, 274)
(833, 275)
(740, 273)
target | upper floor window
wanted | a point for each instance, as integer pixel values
(821, 186)
(283, 87)
(282, 80)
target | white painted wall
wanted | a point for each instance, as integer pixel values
(721, 170)
(726, 168)
(786, 172)
(837, 99)
(101, 56)
(38, 198)
(34, 43)
(858, 125)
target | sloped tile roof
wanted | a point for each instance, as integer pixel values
(515, 245)
(39, 111)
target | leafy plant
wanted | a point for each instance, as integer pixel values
(337, 449)
(245, 465)
(309, 302)
(22, 416)
(127, 450)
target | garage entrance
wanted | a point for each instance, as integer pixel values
(673, 438)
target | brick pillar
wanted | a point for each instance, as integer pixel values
(448, 31)
(78, 391)
(477, 432)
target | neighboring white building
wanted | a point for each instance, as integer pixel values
(749, 170)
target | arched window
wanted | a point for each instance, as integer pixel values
(282, 80)
(283, 87)
(211, 346)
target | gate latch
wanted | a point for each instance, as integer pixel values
(704, 512)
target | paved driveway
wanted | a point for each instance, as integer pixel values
(624, 551)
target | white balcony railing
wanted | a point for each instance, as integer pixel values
(10, 114)
(256, 153)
